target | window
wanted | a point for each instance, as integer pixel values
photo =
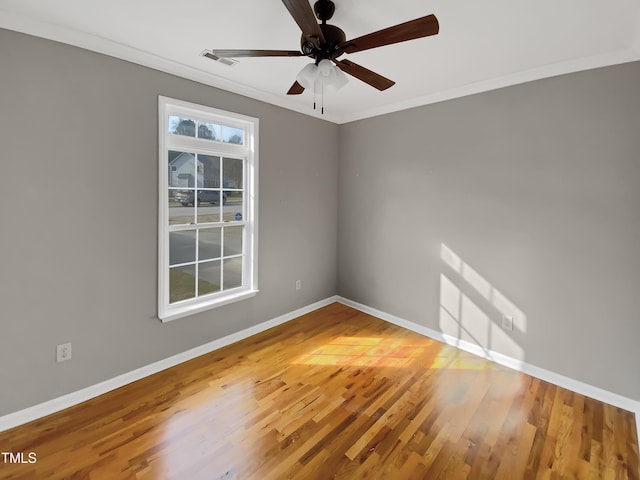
(207, 247)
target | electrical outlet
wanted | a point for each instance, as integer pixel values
(298, 284)
(63, 352)
(507, 322)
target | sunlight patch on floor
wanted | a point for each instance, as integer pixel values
(364, 351)
(378, 352)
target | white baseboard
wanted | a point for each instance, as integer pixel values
(55, 405)
(541, 373)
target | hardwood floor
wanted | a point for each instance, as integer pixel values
(335, 394)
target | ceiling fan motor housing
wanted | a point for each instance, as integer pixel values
(333, 36)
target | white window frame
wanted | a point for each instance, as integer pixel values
(249, 152)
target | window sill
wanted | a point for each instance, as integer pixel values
(178, 311)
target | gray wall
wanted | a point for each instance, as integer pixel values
(78, 242)
(524, 200)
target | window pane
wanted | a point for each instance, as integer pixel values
(182, 247)
(209, 244)
(232, 273)
(209, 280)
(182, 167)
(208, 197)
(208, 171)
(182, 283)
(179, 214)
(209, 131)
(232, 168)
(233, 240)
(182, 126)
(207, 212)
(233, 135)
(184, 196)
(234, 206)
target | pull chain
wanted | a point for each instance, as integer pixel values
(315, 96)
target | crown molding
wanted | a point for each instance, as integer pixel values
(546, 71)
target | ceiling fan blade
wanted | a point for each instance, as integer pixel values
(302, 13)
(367, 76)
(296, 89)
(418, 28)
(256, 53)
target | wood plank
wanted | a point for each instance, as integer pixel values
(333, 394)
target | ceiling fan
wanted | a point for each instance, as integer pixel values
(322, 41)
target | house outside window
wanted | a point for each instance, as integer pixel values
(207, 246)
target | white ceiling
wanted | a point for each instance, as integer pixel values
(481, 45)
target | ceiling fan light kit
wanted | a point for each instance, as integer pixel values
(324, 43)
(320, 78)
(323, 75)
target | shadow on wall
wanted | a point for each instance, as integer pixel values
(478, 323)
